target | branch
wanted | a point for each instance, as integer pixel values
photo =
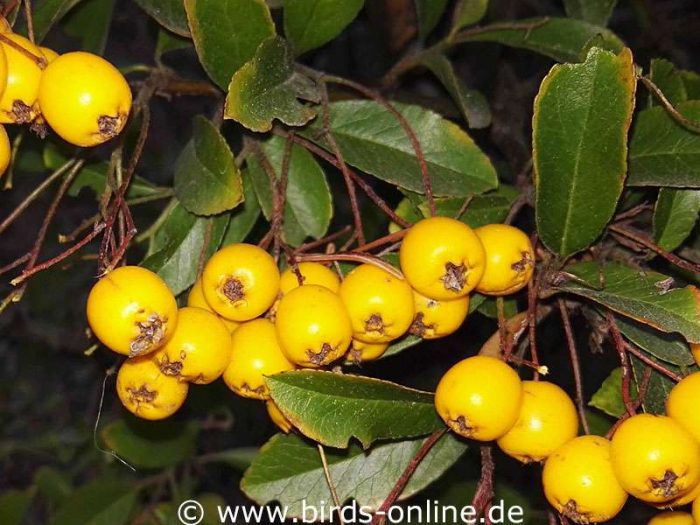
(364, 258)
(575, 365)
(624, 362)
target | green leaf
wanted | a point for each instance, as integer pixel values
(371, 139)
(90, 22)
(658, 388)
(53, 487)
(675, 216)
(244, 217)
(289, 470)
(608, 398)
(667, 347)
(151, 445)
(308, 200)
(104, 501)
(641, 295)
(563, 39)
(226, 34)
(47, 13)
(489, 208)
(402, 344)
(469, 12)
(668, 79)
(168, 13)
(429, 13)
(207, 180)
(14, 504)
(470, 102)
(365, 408)
(178, 244)
(237, 458)
(309, 24)
(168, 41)
(268, 88)
(582, 116)
(664, 153)
(691, 81)
(594, 11)
(488, 307)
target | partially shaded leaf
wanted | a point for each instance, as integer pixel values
(483, 209)
(658, 387)
(675, 216)
(608, 397)
(594, 11)
(90, 23)
(47, 13)
(244, 217)
(101, 502)
(168, 13)
(14, 504)
(667, 347)
(668, 79)
(402, 344)
(429, 13)
(309, 24)
(168, 41)
(469, 12)
(582, 116)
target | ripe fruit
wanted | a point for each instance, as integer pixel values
(510, 259)
(672, 518)
(49, 54)
(240, 281)
(132, 311)
(547, 420)
(5, 150)
(23, 77)
(312, 273)
(681, 403)
(695, 349)
(148, 393)
(579, 481)
(361, 351)
(442, 258)
(197, 300)
(256, 353)
(278, 417)
(696, 510)
(5, 26)
(655, 458)
(313, 326)
(434, 319)
(680, 501)
(84, 98)
(479, 398)
(380, 305)
(199, 350)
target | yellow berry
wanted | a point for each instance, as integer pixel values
(442, 258)
(479, 398)
(197, 300)
(510, 259)
(84, 98)
(672, 518)
(655, 458)
(5, 150)
(361, 351)
(313, 326)
(579, 481)
(256, 353)
(682, 403)
(695, 349)
(435, 319)
(132, 311)
(199, 350)
(277, 417)
(148, 393)
(240, 281)
(547, 420)
(312, 273)
(696, 510)
(49, 54)
(5, 26)
(17, 104)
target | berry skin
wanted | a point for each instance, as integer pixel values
(313, 326)
(196, 299)
(479, 398)
(277, 417)
(696, 510)
(5, 151)
(360, 351)
(380, 305)
(199, 350)
(672, 518)
(547, 420)
(256, 353)
(681, 404)
(579, 481)
(442, 258)
(510, 259)
(655, 458)
(17, 104)
(240, 282)
(148, 393)
(5, 26)
(695, 349)
(312, 273)
(49, 54)
(435, 319)
(84, 98)
(132, 311)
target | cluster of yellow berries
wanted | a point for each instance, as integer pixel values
(588, 478)
(81, 96)
(245, 321)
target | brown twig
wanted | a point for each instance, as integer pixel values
(504, 347)
(532, 297)
(575, 365)
(484, 490)
(329, 480)
(687, 123)
(324, 240)
(652, 364)
(40, 61)
(624, 363)
(14, 264)
(387, 239)
(30, 20)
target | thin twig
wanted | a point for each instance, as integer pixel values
(532, 295)
(651, 363)
(14, 264)
(484, 490)
(387, 239)
(40, 61)
(329, 481)
(364, 258)
(311, 245)
(690, 125)
(575, 365)
(30, 20)
(624, 363)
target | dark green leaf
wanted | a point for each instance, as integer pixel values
(563, 39)
(168, 41)
(49, 12)
(177, 246)
(488, 208)
(14, 504)
(489, 308)
(289, 470)
(664, 74)
(402, 344)
(667, 347)
(308, 202)
(675, 216)
(364, 408)
(90, 22)
(151, 444)
(53, 486)
(207, 180)
(429, 13)
(227, 33)
(691, 81)
(658, 388)
(309, 24)
(104, 501)
(642, 295)
(469, 12)
(168, 13)
(372, 139)
(243, 218)
(608, 398)
(238, 458)
(594, 11)
(268, 88)
(471, 103)
(663, 152)
(582, 116)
